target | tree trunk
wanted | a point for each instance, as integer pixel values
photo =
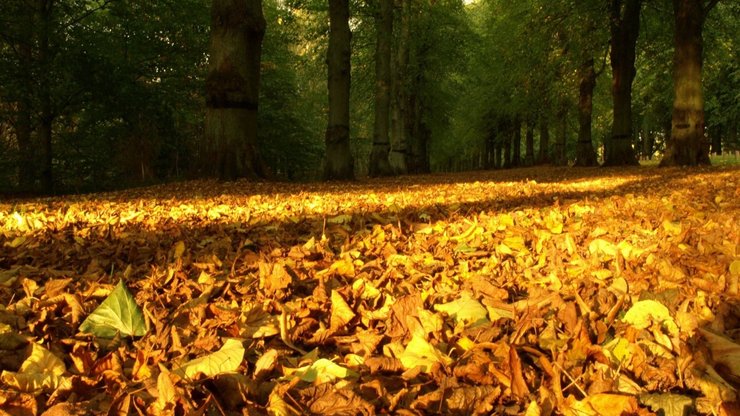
(687, 145)
(516, 157)
(544, 156)
(23, 123)
(715, 135)
(46, 116)
(560, 158)
(399, 145)
(379, 165)
(625, 28)
(529, 143)
(339, 163)
(232, 87)
(507, 133)
(418, 134)
(585, 153)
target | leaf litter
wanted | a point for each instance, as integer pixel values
(533, 291)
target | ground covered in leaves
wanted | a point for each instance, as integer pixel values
(533, 291)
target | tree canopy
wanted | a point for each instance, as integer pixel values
(105, 94)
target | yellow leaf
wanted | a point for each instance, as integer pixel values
(466, 311)
(420, 353)
(167, 394)
(735, 268)
(42, 370)
(341, 313)
(179, 249)
(646, 312)
(321, 371)
(225, 360)
(602, 249)
(266, 363)
(672, 228)
(17, 242)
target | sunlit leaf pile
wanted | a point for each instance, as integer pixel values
(537, 292)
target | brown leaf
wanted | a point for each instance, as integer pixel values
(518, 385)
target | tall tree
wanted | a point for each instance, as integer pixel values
(585, 153)
(399, 111)
(624, 26)
(339, 163)
(44, 9)
(687, 145)
(544, 155)
(232, 86)
(379, 165)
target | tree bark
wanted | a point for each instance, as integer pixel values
(559, 155)
(625, 28)
(23, 122)
(516, 157)
(379, 165)
(544, 156)
(529, 143)
(44, 10)
(399, 140)
(687, 145)
(507, 133)
(339, 164)
(715, 135)
(232, 87)
(585, 153)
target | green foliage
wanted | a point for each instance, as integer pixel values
(118, 314)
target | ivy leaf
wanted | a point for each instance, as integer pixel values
(118, 313)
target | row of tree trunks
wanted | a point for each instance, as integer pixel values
(232, 87)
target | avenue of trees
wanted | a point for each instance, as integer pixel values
(99, 94)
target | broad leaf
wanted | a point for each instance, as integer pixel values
(225, 360)
(118, 313)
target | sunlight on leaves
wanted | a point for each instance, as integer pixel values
(420, 353)
(225, 360)
(321, 371)
(41, 370)
(465, 310)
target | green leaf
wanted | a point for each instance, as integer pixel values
(118, 313)
(225, 360)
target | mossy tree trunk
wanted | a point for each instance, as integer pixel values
(687, 145)
(232, 87)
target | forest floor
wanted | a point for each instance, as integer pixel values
(530, 291)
